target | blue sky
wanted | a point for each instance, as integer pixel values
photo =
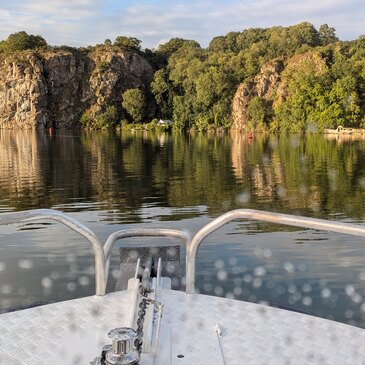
(87, 22)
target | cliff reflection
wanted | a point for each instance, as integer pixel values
(126, 172)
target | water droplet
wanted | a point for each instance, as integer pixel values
(47, 282)
(2, 266)
(281, 192)
(307, 301)
(349, 313)
(55, 275)
(218, 290)
(6, 289)
(257, 283)
(260, 271)
(208, 287)
(362, 182)
(25, 264)
(356, 298)
(222, 275)
(84, 280)
(289, 267)
(71, 286)
(247, 278)
(229, 295)
(243, 198)
(326, 293)
(237, 291)
(219, 264)
(350, 290)
(306, 288)
(70, 257)
(22, 291)
(266, 253)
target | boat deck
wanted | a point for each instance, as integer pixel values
(74, 331)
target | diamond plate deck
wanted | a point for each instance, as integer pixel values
(73, 332)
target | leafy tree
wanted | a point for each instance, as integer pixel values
(128, 43)
(134, 103)
(259, 113)
(327, 35)
(161, 89)
(105, 120)
(21, 41)
(174, 44)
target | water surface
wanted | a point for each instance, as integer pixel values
(114, 181)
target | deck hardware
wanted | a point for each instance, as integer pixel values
(122, 351)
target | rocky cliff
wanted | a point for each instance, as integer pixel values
(270, 84)
(54, 88)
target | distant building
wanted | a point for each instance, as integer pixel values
(164, 122)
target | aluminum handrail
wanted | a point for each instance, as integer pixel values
(102, 253)
(257, 215)
(142, 232)
(37, 214)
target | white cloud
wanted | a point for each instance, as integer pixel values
(83, 22)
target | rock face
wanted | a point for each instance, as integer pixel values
(54, 88)
(263, 85)
(268, 84)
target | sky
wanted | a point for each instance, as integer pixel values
(88, 22)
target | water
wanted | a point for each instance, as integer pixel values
(115, 181)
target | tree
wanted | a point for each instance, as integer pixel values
(259, 113)
(134, 103)
(162, 92)
(174, 44)
(327, 34)
(21, 41)
(128, 43)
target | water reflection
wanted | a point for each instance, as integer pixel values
(114, 181)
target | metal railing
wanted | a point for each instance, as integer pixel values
(50, 214)
(102, 252)
(257, 215)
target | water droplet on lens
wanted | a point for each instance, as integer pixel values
(326, 293)
(243, 198)
(350, 290)
(306, 288)
(289, 267)
(237, 291)
(218, 290)
(6, 289)
(260, 271)
(71, 286)
(232, 261)
(84, 280)
(219, 264)
(25, 264)
(307, 301)
(222, 275)
(47, 283)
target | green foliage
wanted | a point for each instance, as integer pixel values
(102, 66)
(161, 89)
(174, 44)
(259, 113)
(128, 43)
(327, 35)
(197, 85)
(21, 41)
(106, 120)
(134, 103)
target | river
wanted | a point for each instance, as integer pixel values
(112, 181)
